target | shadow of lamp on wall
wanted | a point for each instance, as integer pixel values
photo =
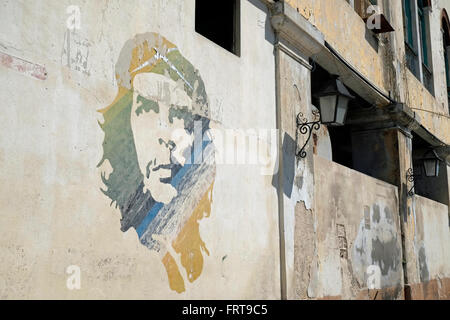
(333, 98)
(430, 165)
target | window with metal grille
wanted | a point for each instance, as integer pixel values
(446, 49)
(417, 41)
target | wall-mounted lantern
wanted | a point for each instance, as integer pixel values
(333, 102)
(334, 98)
(431, 163)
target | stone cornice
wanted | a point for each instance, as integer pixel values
(293, 27)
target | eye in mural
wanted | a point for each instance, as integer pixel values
(154, 135)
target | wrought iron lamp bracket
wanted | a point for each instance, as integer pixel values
(306, 127)
(411, 177)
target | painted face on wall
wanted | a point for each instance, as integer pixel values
(160, 138)
(156, 183)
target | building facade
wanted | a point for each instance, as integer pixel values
(175, 149)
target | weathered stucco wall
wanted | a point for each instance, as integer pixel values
(433, 236)
(432, 241)
(319, 272)
(355, 230)
(432, 108)
(295, 178)
(344, 29)
(82, 137)
(54, 213)
(433, 114)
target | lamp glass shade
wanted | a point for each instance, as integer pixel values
(431, 167)
(342, 108)
(328, 108)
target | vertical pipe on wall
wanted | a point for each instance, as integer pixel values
(283, 285)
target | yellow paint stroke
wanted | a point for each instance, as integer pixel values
(122, 92)
(139, 55)
(176, 281)
(189, 244)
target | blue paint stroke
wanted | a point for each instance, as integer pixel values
(175, 181)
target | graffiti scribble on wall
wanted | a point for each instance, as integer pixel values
(161, 190)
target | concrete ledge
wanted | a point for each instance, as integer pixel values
(296, 29)
(394, 115)
(404, 116)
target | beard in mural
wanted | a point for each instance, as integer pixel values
(154, 135)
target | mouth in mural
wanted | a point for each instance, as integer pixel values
(169, 166)
(158, 170)
(164, 172)
(166, 180)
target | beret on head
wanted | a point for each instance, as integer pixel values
(150, 52)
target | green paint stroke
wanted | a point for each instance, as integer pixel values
(147, 105)
(119, 149)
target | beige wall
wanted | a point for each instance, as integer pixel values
(341, 25)
(432, 239)
(355, 213)
(53, 213)
(345, 31)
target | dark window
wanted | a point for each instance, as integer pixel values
(353, 145)
(418, 42)
(424, 29)
(341, 145)
(434, 188)
(408, 17)
(446, 41)
(423, 34)
(447, 70)
(411, 47)
(219, 21)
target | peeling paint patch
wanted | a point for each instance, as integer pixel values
(424, 273)
(29, 68)
(385, 254)
(75, 53)
(304, 248)
(366, 217)
(378, 246)
(376, 213)
(342, 241)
